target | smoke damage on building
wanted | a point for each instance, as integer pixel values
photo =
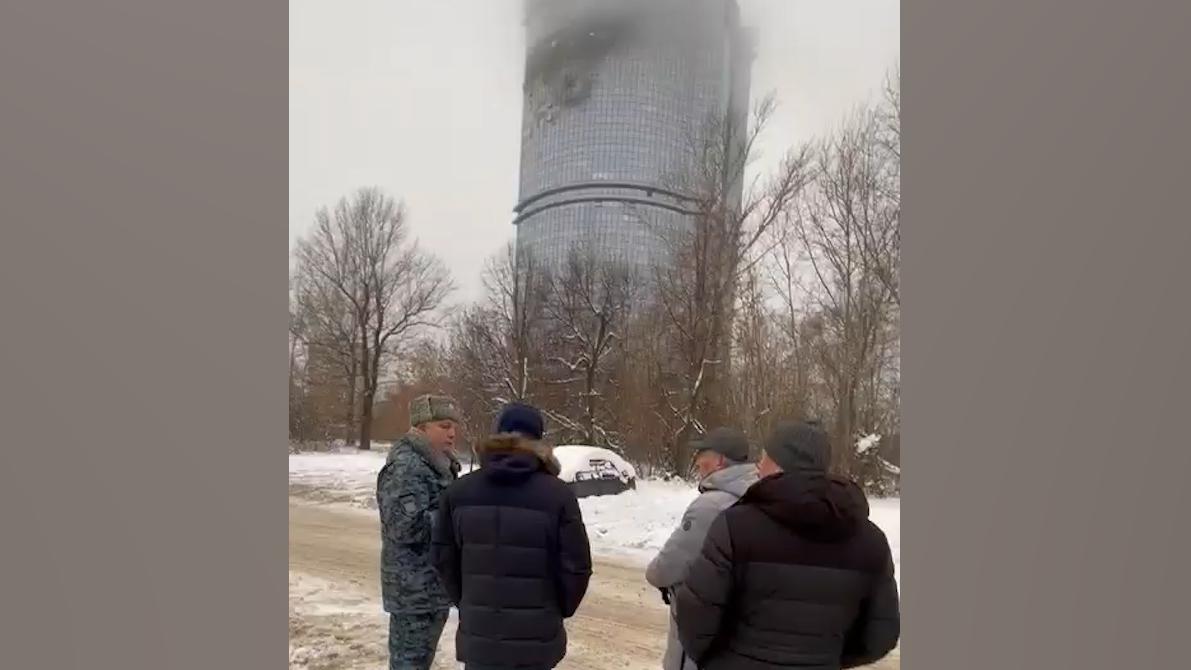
(615, 93)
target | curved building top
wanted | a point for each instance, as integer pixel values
(615, 93)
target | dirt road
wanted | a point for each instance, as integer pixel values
(336, 619)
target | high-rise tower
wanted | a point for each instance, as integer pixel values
(615, 91)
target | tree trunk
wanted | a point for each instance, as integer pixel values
(682, 452)
(369, 391)
(366, 423)
(294, 412)
(349, 427)
(371, 387)
(842, 449)
(589, 407)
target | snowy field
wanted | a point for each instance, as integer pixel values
(631, 526)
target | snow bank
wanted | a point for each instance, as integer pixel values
(887, 514)
(635, 524)
(346, 476)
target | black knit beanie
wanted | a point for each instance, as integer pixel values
(523, 420)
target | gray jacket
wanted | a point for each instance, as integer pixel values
(717, 492)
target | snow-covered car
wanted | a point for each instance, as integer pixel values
(594, 471)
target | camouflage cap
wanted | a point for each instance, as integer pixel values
(428, 408)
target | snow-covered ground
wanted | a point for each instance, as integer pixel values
(631, 526)
(346, 476)
(333, 625)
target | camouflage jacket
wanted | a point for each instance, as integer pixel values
(407, 494)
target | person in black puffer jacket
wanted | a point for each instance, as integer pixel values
(794, 575)
(512, 551)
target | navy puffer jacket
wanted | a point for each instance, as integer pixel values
(513, 555)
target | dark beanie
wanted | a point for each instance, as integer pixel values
(523, 420)
(799, 447)
(727, 442)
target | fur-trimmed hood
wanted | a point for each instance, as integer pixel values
(504, 450)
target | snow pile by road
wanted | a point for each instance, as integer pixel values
(632, 526)
(887, 514)
(635, 524)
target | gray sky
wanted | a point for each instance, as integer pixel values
(424, 100)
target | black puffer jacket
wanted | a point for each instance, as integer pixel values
(513, 555)
(793, 576)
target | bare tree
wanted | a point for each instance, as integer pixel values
(361, 253)
(332, 338)
(588, 305)
(516, 285)
(793, 325)
(853, 299)
(696, 292)
(642, 399)
(881, 236)
(768, 375)
(497, 345)
(299, 423)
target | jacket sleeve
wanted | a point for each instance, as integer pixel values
(670, 566)
(702, 600)
(445, 551)
(405, 503)
(574, 554)
(878, 627)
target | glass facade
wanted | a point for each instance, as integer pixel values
(612, 109)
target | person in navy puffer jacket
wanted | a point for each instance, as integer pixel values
(511, 550)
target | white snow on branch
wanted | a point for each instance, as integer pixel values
(867, 442)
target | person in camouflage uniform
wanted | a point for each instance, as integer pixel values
(419, 467)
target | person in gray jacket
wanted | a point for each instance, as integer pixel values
(722, 462)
